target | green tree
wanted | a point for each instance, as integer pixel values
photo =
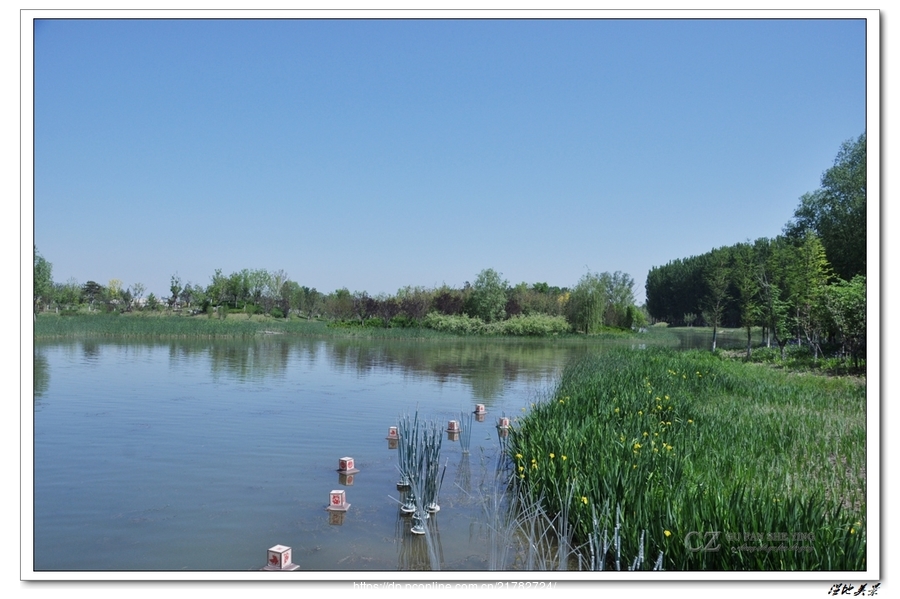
(587, 303)
(339, 304)
(43, 282)
(114, 295)
(68, 294)
(488, 298)
(810, 273)
(217, 291)
(176, 289)
(845, 306)
(717, 275)
(152, 302)
(745, 276)
(92, 291)
(836, 212)
(137, 291)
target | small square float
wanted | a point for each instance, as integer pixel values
(346, 466)
(278, 559)
(338, 502)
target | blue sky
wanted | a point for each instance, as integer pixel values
(375, 154)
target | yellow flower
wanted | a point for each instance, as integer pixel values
(617, 410)
(564, 457)
(667, 397)
(640, 412)
(690, 421)
(521, 468)
(637, 445)
(518, 456)
(552, 455)
(667, 533)
(633, 466)
(584, 500)
(852, 531)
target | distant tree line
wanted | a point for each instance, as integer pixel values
(596, 302)
(806, 286)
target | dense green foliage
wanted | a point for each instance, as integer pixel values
(489, 307)
(836, 211)
(602, 300)
(787, 285)
(488, 298)
(689, 442)
(43, 281)
(535, 325)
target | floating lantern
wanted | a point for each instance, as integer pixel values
(479, 408)
(345, 466)
(278, 558)
(504, 422)
(338, 502)
(453, 426)
(392, 434)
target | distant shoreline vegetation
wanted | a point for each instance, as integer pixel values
(599, 304)
(236, 325)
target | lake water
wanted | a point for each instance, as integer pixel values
(200, 455)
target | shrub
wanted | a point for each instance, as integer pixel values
(461, 324)
(538, 325)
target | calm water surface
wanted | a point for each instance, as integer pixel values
(190, 455)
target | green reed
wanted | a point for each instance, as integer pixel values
(693, 448)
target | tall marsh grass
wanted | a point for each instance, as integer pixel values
(725, 465)
(155, 325)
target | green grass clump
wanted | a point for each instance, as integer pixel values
(533, 325)
(693, 448)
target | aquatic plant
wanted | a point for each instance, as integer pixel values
(690, 442)
(465, 430)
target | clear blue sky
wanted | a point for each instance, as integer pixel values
(375, 154)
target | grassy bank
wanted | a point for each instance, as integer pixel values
(160, 324)
(177, 326)
(703, 453)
